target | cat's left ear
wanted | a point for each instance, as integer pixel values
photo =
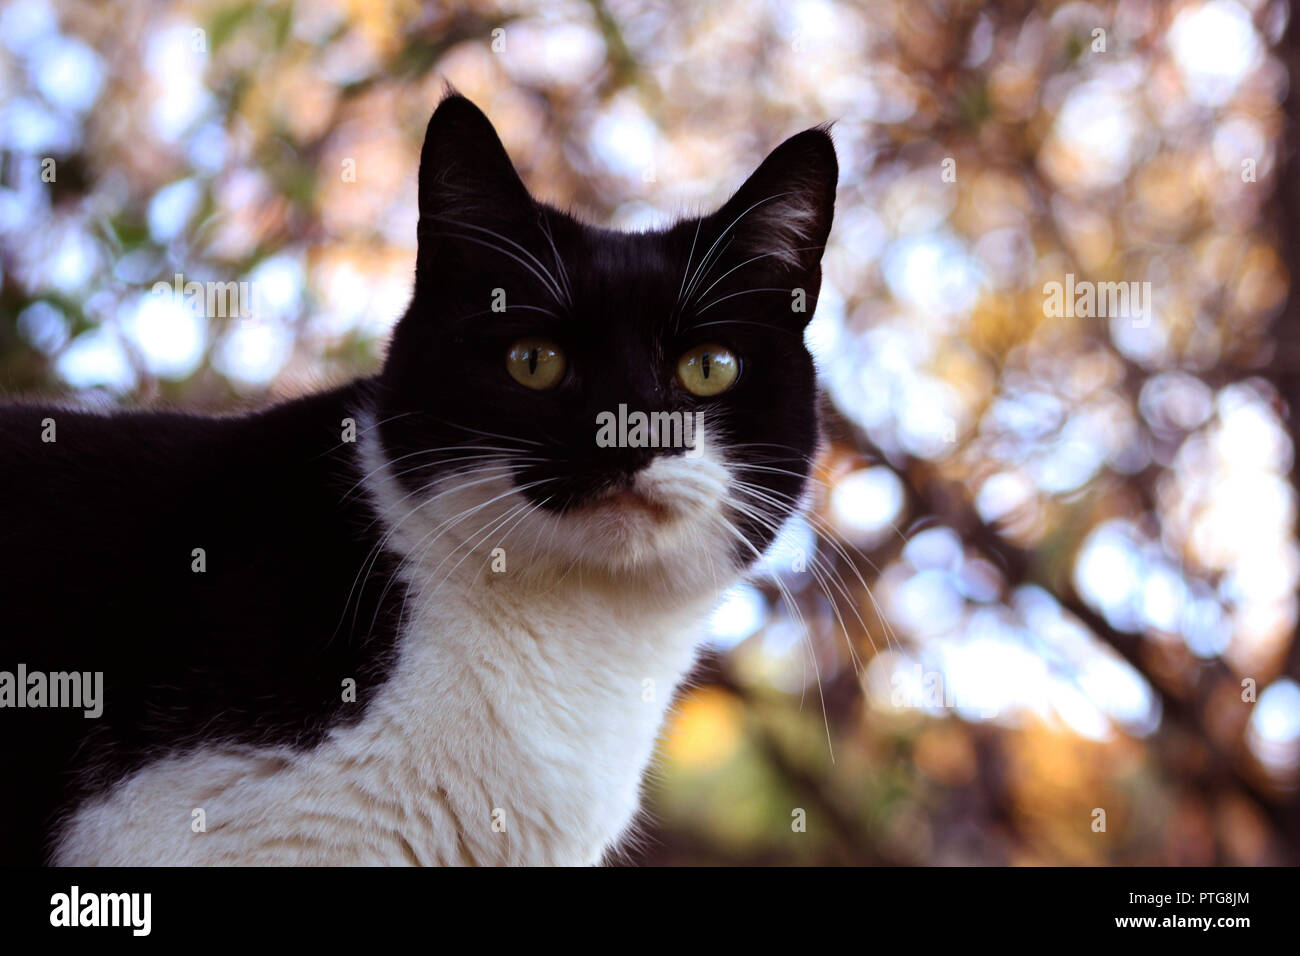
(781, 217)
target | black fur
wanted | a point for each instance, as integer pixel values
(97, 529)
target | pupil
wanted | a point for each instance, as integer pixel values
(532, 361)
(706, 362)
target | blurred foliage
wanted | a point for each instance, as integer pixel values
(1046, 551)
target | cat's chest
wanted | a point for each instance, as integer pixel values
(498, 739)
(533, 718)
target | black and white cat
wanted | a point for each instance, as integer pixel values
(513, 600)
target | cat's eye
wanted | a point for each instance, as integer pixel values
(537, 363)
(708, 370)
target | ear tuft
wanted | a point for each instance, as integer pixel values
(782, 215)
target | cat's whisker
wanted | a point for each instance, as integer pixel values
(559, 262)
(698, 274)
(496, 235)
(472, 542)
(769, 469)
(500, 544)
(506, 469)
(542, 273)
(685, 272)
(362, 431)
(424, 451)
(763, 255)
(419, 600)
(454, 520)
(503, 455)
(482, 476)
(546, 283)
(506, 535)
(799, 620)
(823, 573)
(825, 533)
(510, 307)
(731, 295)
(410, 561)
(768, 327)
(485, 434)
(706, 266)
(894, 527)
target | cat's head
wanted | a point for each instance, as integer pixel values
(510, 402)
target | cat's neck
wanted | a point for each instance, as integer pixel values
(534, 690)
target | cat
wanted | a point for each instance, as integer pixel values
(425, 617)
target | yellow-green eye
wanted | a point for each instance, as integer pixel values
(537, 363)
(708, 370)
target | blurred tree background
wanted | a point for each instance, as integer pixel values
(1044, 609)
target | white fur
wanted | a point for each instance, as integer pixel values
(515, 725)
(779, 228)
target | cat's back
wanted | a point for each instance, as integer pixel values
(200, 567)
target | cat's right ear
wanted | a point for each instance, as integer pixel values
(467, 181)
(781, 217)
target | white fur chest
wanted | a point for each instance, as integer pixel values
(545, 717)
(505, 735)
